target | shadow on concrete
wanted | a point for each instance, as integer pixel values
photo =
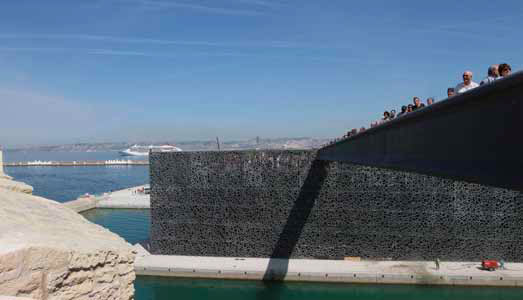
(290, 235)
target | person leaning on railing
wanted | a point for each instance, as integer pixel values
(467, 83)
(504, 70)
(450, 92)
(386, 116)
(392, 114)
(417, 103)
(493, 75)
(495, 72)
(403, 111)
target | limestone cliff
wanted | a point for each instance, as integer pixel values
(8, 184)
(48, 251)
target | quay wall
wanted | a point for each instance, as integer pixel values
(284, 204)
(78, 163)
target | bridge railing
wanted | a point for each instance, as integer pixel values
(514, 80)
(474, 136)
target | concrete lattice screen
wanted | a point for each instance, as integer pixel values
(287, 204)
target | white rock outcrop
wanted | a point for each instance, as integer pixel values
(48, 252)
(15, 186)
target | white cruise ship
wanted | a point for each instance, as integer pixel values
(138, 150)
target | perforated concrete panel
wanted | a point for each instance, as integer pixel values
(287, 204)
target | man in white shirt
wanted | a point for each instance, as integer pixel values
(467, 84)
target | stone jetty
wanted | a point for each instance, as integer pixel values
(130, 198)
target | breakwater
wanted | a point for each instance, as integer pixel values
(130, 198)
(288, 204)
(39, 163)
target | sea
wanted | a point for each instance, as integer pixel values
(67, 183)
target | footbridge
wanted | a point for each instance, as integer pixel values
(475, 137)
(442, 182)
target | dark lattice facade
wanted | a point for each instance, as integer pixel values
(287, 204)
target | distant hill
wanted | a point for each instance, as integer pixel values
(256, 143)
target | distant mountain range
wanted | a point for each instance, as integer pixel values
(256, 143)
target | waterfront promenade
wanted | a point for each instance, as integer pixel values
(313, 270)
(127, 198)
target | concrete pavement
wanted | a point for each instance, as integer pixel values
(126, 198)
(389, 272)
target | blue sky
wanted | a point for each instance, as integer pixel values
(116, 70)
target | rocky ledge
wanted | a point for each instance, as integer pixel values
(48, 251)
(8, 184)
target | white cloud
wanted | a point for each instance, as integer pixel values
(191, 6)
(263, 3)
(132, 40)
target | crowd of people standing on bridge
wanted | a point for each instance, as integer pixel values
(494, 73)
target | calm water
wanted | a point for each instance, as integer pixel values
(131, 224)
(155, 288)
(66, 183)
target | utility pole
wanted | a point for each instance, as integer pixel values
(218, 143)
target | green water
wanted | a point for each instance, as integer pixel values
(156, 288)
(133, 225)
